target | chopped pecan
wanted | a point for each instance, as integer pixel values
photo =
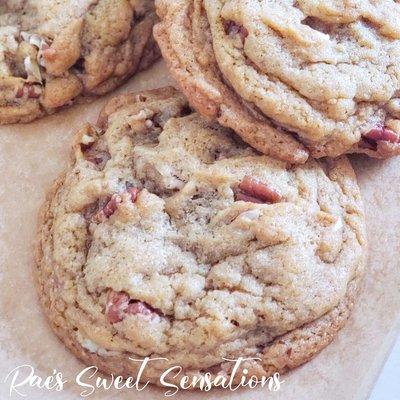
(138, 307)
(382, 133)
(233, 29)
(133, 191)
(97, 157)
(120, 305)
(91, 210)
(100, 158)
(28, 90)
(240, 196)
(20, 92)
(34, 92)
(117, 303)
(112, 205)
(254, 191)
(109, 209)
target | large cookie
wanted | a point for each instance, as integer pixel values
(170, 237)
(290, 75)
(54, 53)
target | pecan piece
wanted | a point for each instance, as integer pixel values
(34, 92)
(117, 302)
(97, 157)
(28, 90)
(100, 158)
(112, 205)
(382, 133)
(20, 92)
(120, 305)
(233, 29)
(109, 209)
(254, 191)
(134, 192)
(138, 307)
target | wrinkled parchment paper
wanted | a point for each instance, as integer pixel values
(32, 156)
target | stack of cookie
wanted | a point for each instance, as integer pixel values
(220, 225)
(291, 78)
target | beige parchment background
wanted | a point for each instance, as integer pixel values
(32, 156)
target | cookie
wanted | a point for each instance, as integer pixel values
(170, 237)
(292, 78)
(53, 53)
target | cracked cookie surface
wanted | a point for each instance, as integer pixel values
(53, 53)
(291, 76)
(170, 237)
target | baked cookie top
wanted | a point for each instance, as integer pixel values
(326, 72)
(170, 237)
(53, 53)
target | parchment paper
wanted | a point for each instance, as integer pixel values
(32, 156)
